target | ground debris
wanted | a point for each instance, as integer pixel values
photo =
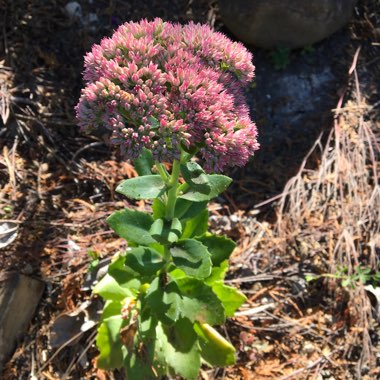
(57, 186)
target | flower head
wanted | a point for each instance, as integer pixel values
(167, 87)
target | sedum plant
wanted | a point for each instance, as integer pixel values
(172, 97)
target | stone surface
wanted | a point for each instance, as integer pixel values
(284, 23)
(291, 108)
(19, 296)
(289, 105)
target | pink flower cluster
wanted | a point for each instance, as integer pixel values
(164, 87)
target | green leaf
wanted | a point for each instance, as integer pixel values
(192, 257)
(158, 208)
(118, 283)
(217, 273)
(178, 347)
(132, 225)
(224, 66)
(93, 265)
(196, 226)
(144, 261)
(157, 230)
(109, 343)
(192, 149)
(311, 277)
(144, 163)
(165, 231)
(109, 289)
(146, 187)
(111, 308)
(363, 274)
(199, 302)
(215, 349)
(158, 247)
(176, 274)
(230, 297)
(154, 123)
(163, 299)
(123, 275)
(220, 247)
(138, 366)
(140, 362)
(94, 257)
(187, 209)
(195, 177)
(147, 323)
(175, 230)
(218, 184)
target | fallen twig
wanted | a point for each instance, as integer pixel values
(255, 310)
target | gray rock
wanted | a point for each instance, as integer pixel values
(19, 296)
(284, 23)
(290, 101)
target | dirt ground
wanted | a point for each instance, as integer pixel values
(58, 186)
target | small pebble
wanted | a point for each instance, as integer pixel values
(308, 348)
(234, 218)
(73, 10)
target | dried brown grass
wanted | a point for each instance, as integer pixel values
(335, 209)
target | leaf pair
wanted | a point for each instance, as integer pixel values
(119, 283)
(166, 232)
(202, 187)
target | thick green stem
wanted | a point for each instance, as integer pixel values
(172, 192)
(162, 172)
(182, 188)
(167, 258)
(211, 334)
(185, 156)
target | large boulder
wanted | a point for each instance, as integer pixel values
(284, 23)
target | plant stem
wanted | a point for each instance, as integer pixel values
(167, 257)
(162, 172)
(214, 336)
(172, 192)
(182, 188)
